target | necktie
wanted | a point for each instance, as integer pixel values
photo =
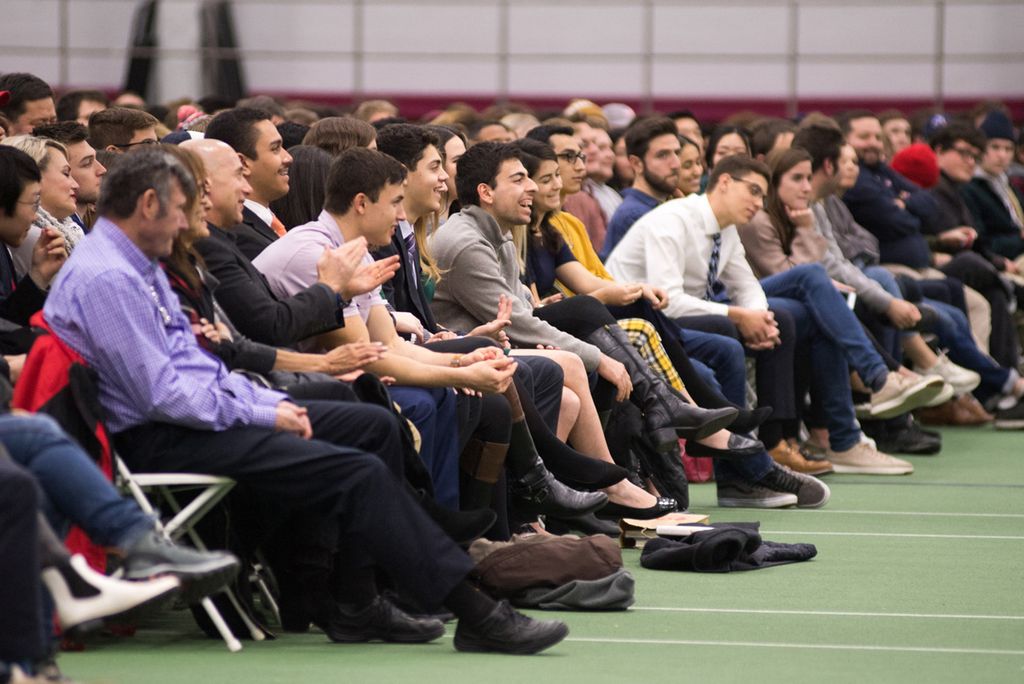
(412, 273)
(716, 249)
(410, 247)
(278, 227)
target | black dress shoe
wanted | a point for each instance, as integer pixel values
(615, 511)
(463, 527)
(739, 446)
(507, 631)
(587, 524)
(911, 440)
(379, 621)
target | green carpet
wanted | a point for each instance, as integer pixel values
(917, 579)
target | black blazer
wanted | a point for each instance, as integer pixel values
(405, 291)
(252, 235)
(992, 220)
(251, 304)
(18, 300)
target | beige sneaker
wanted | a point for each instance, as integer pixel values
(865, 459)
(902, 393)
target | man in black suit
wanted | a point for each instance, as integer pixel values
(252, 134)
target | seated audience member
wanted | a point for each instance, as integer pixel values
(687, 125)
(29, 102)
(307, 177)
(653, 148)
(335, 134)
(996, 206)
(291, 132)
(895, 132)
(900, 214)
(687, 245)
(119, 129)
(917, 163)
(489, 130)
(294, 453)
(79, 105)
(20, 188)
(592, 203)
(879, 296)
(263, 102)
(252, 134)
(725, 141)
(351, 214)
(622, 171)
(769, 135)
(56, 200)
(453, 145)
(85, 168)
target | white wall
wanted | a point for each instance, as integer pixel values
(661, 49)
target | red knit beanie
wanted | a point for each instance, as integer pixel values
(918, 163)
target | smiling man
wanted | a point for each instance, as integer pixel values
(252, 134)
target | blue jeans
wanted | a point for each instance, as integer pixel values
(432, 411)
(954, 333)
(810, 285)
(829, 378)
(75, 490)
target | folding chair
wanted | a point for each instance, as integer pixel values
(211, 490)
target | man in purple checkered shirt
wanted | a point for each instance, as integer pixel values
(172, 407)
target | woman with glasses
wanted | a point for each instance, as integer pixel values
(57, 198)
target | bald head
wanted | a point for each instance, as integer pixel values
(228, 185)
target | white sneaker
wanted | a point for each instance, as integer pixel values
(865, 459)
(902, 393)
(943, 396)
(962, 379)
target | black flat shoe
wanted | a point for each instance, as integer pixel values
(587, 524)
(740, 446)
(616, 511)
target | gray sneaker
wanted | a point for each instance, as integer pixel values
(201, 572)
(810, 491)
(744, 495)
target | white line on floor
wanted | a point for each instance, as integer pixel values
(822, 647)
(831, 613)
(770, 532)
(915, 513)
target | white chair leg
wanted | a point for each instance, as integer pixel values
(233, 644)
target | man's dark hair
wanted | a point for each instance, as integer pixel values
(23, 88)
(764, 133)
(846, 119)
(389, 121)
(17, 170)
(140, 170)
(720, 132)
(292, 133)
(212, 104)
(65, 132)
(237, 127)
(69, 103)
(738, 166)
(117, 125)
(264, 102)
(821, 142)
(481, 164)
(406, 142)
(643, 131)
(945, 138)
(544, 132)
(360, 170)
(682, 114)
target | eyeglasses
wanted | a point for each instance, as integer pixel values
(755, 190)
(570, 156)
(965, 154)
(147, 141)
(34, 203)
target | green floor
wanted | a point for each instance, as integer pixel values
(917, 579)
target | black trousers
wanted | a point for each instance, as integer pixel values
(348, 476)
(21, 630)
(975, 271)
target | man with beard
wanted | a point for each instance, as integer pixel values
(653, 148)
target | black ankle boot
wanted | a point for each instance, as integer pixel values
(667, 415)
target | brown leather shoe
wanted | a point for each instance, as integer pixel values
(963, 411)
(788, 455)
(973, 408)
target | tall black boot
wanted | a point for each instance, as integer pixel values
(667, 415)
(531, 482)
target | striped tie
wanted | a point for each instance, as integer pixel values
(716, 248)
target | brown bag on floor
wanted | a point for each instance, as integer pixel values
(529, 561)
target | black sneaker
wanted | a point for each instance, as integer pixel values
(1011, 418)
(508, 631)
(380, 621)
(810, 491)
(201, 572)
